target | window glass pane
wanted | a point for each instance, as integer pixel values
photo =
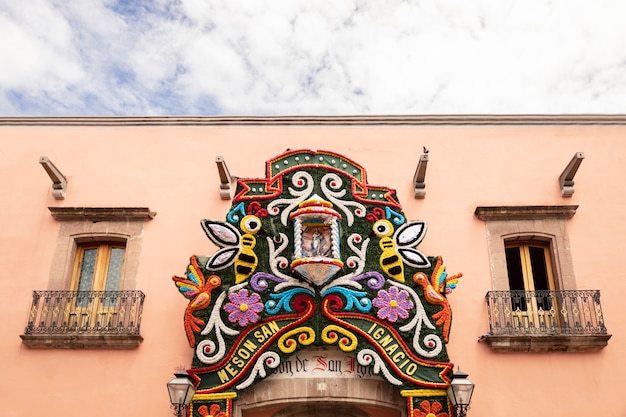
(87, 268)
(516, 278)
(540, 276)
(114, 270)
(114, 274)
(514, 268)
(85, 280)
(538, 265)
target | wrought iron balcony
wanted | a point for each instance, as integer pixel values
(559, 315)
(79, 319)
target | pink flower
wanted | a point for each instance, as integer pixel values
(392, 304)
(243, 308)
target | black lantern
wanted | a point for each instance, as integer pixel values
(460, 393)
(181, 390)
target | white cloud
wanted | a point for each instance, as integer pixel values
(36, 47)
(301, 57)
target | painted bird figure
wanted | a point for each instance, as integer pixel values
(440, 283)
(198, 290)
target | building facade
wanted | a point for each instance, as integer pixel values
(132, 247)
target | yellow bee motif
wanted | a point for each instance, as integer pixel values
(236, 248)
(247, 261)
(394, 248)
(390, 261)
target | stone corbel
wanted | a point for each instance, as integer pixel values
(225, 178)
(59, 182)
(566, 180)
(419, 184)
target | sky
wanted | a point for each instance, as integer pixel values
(305, 57)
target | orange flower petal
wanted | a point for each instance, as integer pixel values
(215, 408)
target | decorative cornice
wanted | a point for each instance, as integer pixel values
(380, 120)
(101, 213)
(525, 212)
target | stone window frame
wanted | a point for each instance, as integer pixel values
(80, 225)
(546, 224)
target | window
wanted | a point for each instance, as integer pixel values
(535, 305)
(529, 269)
(92, 299)
(94, 302)
(98, 268)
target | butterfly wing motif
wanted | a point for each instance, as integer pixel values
(228, 238)
(407, 236)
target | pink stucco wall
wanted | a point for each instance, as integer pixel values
(171, 170)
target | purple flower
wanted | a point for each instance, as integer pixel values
(243, 308)
(392, 304)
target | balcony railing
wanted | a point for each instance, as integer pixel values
(570, 312)
(85, 313)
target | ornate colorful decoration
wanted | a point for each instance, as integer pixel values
(428, 409)
(314, 255)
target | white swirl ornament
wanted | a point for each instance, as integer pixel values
(419, 320)
(367, 356)
(299, 196)
(215, 324)
(334, 196)
(280, 262)
(354, 261)
(269, 359)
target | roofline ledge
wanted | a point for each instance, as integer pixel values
(347, 120)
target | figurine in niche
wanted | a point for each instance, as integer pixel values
(316, 241)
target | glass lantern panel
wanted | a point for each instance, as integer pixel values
(464, 393)
(178, 390)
